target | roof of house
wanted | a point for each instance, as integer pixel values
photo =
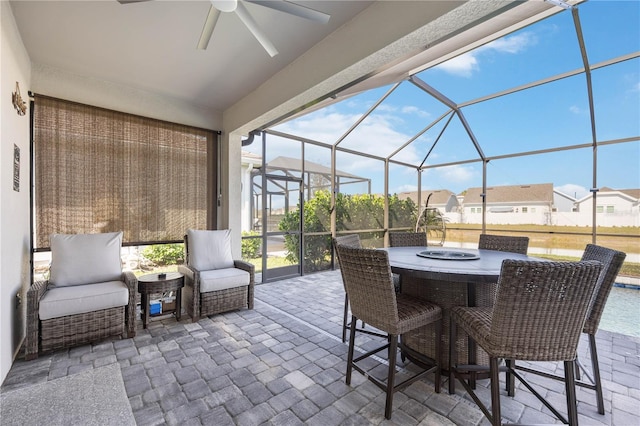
(538, 193)
(438, 196)
(563, 195)
(633, 193)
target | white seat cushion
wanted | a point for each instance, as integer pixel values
(209, 249)
(222, 279)
(78, 259)
(79, 299)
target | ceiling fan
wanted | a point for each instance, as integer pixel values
(238, 7)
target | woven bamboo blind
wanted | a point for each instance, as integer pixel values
(98, 170)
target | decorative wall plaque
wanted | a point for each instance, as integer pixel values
(19, 104)
(16, 168)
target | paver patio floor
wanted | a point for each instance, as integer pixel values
(283, 363)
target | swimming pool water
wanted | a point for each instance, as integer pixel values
(622, 312)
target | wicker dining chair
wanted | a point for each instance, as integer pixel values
(368, 281)
(538, 315)
(407, 239)
(504, 243)
(612, 261)
(352, 240)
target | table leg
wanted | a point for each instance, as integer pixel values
(471, 301)
(145, 302)
(178, 311)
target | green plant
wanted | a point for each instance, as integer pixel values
(165, 254)
(353, 212)
(317, 219)
(250, 246)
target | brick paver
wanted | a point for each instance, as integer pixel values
(283, 363)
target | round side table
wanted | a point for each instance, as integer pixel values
(153, 283)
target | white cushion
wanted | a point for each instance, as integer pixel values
(79, 299)
(222, 279)
(85, 258)
(209, 249)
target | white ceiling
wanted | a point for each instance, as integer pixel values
(151, 45)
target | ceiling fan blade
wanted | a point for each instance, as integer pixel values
(294, 9)
(209, 25)
(248, 21)
(131, 1)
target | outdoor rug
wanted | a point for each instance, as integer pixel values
(93, 397)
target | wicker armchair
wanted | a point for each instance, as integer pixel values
(87, 298)
(368, 281)
(213, 281)
(539, 313)
(612, 261)
(504, 243)
(407, 239)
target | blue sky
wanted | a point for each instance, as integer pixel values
(545, 117)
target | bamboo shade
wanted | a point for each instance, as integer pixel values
(98, 170)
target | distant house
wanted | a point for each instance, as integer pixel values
(442, 199)
(563, 202)
(614, 207)
(512, 204)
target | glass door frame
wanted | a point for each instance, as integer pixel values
(274, 274)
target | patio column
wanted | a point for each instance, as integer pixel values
(229, 197)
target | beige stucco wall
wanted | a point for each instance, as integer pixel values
(14, 206)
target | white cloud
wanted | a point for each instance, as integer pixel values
(457, 174)
(406, 188)
(462, 65)
(573, 190)
(454, 178)
(386, 108)
(576, 109)
(414, 110)
(326, 125)
(511, 44)
(377, 135)
(466, 64)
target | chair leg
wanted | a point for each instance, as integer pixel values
(345, 318)
(511, 379)
(352, 338)
(438, 337)
(495, 391)
(596, 373)
(452, 356)
(393, 350)
(570, 389)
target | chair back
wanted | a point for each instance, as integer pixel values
(612, 261)
(540, 308)
(504, 243)
(78, 259)
(369, 284)
(407, 239)
(351, 240)
(208, 249)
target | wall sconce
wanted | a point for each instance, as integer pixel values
(18, 103)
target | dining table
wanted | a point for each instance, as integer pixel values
(447, 277)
